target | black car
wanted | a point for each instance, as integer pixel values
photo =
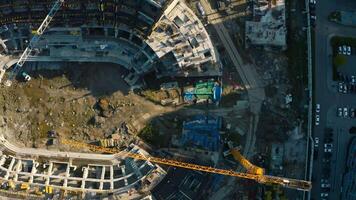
(315, 157)
(328, 140)
(327, 155)
(326, 171)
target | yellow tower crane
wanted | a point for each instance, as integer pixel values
(251, 168)
(260, 178)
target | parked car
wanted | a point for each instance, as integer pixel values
(324, 194)
(352, 113)
(339, 112)
(317, 120)
(315, 157)
(353, 79)
(328, 140)
(316, 142)
(327, 154)
(341, 87)
(328, 150)
(339, 50)
(326, 171)
(325, 185)
(346, 112)
(345, 88)
(317, 108)
(328, 145)
(344, 50)
(348, 50)
(329, 132)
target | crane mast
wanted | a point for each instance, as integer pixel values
(264, 179)
(29, 49)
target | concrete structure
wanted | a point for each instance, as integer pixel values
(181, 35)
(269, 26)
(116, 32)
(85, 172)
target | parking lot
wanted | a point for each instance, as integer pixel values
(346, 73)
(334, 100)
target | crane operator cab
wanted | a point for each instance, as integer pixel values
(25, 76)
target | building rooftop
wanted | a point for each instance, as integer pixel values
(269, 25)
(180, 32)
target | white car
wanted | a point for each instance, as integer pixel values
(341, 87)
(353, 79)
(325, 185)
(317, 120)
(327, 150)
(328, 145)
(345, 88)
(346, 112)
(339, 112)
(316, 140)
(312, 1)
(344, 50)
(340, 50)
(317, 108)
(348, 50)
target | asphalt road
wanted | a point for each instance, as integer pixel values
(327, 96)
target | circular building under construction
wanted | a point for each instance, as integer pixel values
(66, 61)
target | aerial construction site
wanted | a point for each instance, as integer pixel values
(147, 99)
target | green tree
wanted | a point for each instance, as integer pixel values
(149, 134)
(340, 60)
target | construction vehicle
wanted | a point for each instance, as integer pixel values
(25, 76)
(24, 186)
(48, 190)
(37, 35)
(264, 179)
(11, 184)
(38, 192)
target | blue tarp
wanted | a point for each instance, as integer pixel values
(202, 132)
(217, 93)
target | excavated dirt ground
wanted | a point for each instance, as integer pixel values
(66, 101)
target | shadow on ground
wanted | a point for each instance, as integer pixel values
(98, 78)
